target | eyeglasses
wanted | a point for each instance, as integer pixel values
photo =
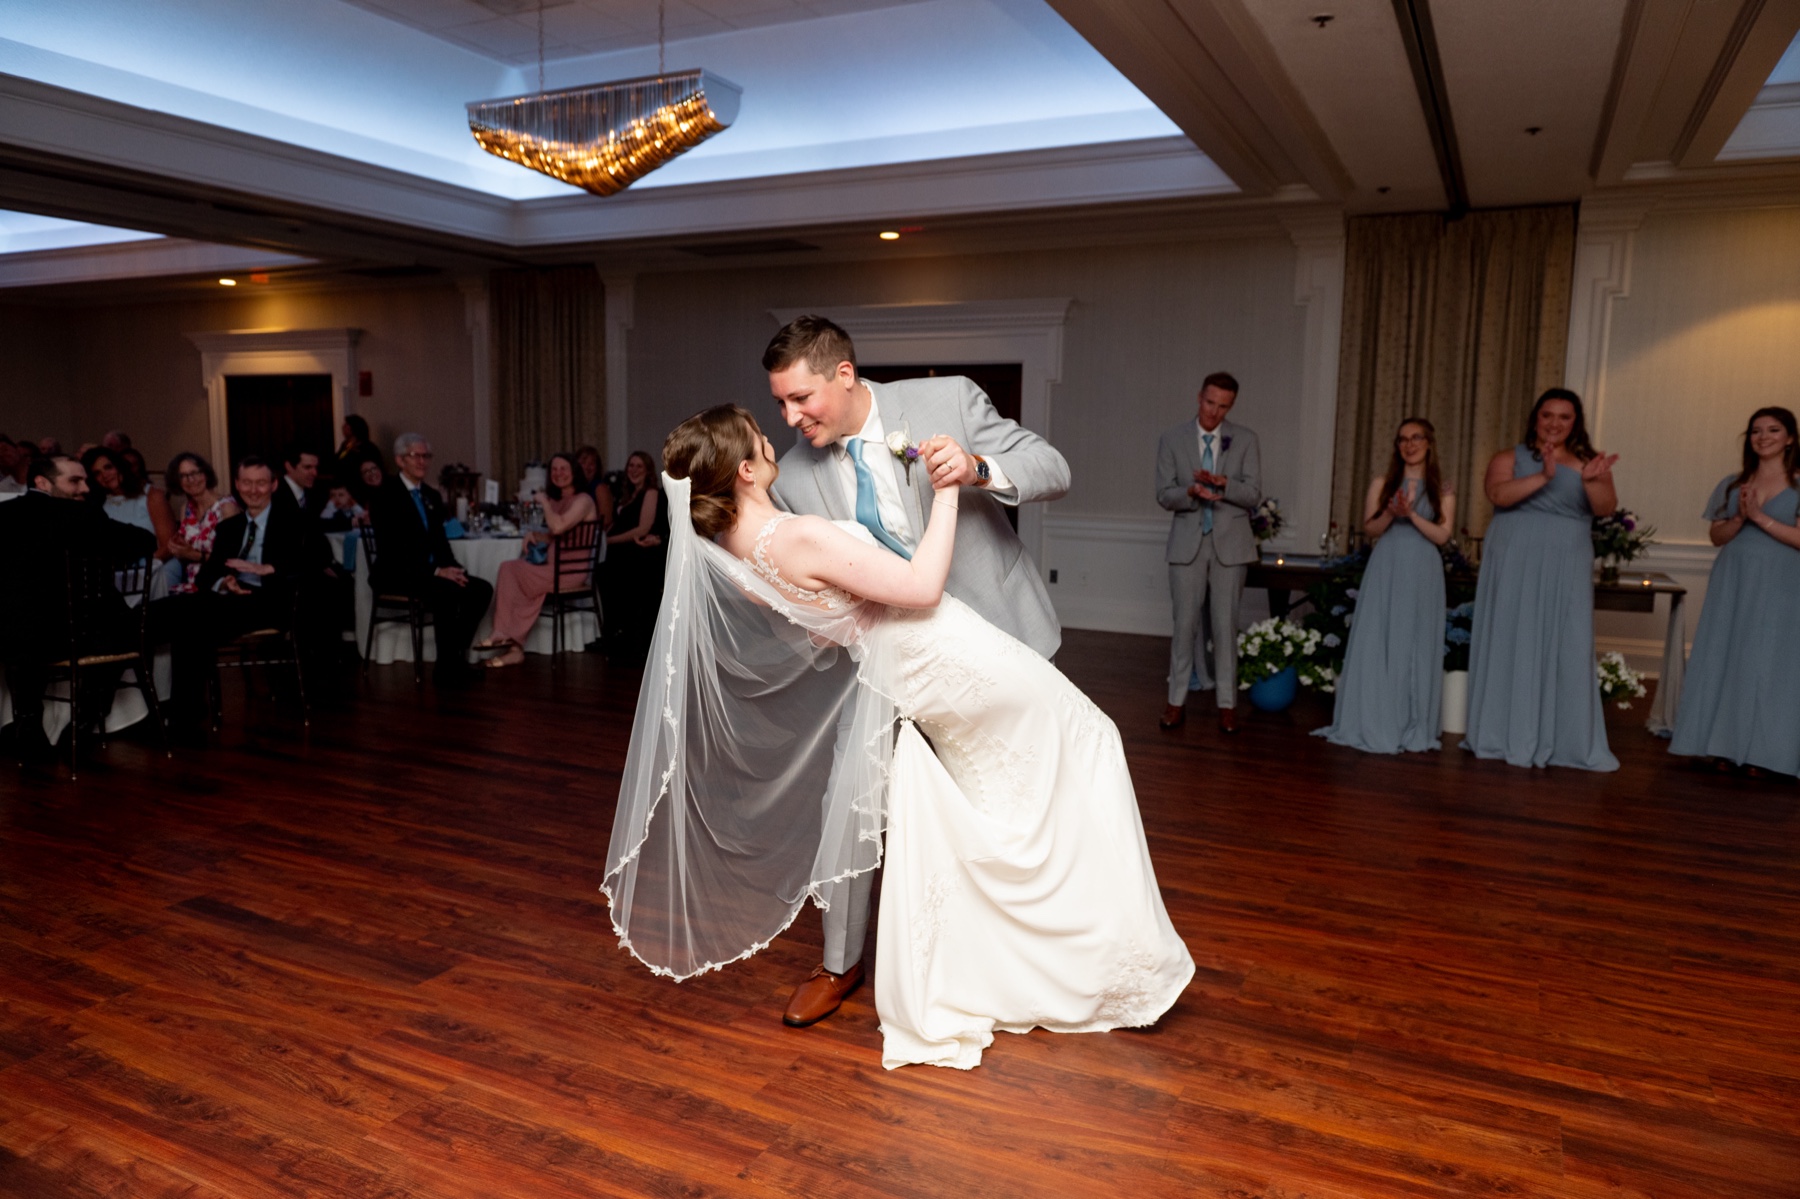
(1411, 439)
(191, 474)
(421, 456)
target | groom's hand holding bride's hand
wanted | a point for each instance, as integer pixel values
(950, 465)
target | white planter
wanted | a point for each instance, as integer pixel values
(1455, 709)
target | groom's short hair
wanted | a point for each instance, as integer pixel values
(822, 344)
(1220, 380)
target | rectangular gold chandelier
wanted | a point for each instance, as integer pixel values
(606, 136)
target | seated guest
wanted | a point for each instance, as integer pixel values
(341, 511)
(587, 459)
(14, 459)
(199, 511)
(1741, 703)
(127, 498)
(49, 447)
(38, 530)
(370, 475)
(117, 440)
(300, 477)
(260, 557)
(133, 461)
(631, 581)
(524, 582)
(415, 559)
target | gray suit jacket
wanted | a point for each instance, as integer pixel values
(1177, 458)
(991, 571)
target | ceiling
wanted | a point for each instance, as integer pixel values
(334, 129)
(507, 30)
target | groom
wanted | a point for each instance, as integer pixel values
(843, 468)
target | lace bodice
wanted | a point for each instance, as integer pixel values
(831, 599)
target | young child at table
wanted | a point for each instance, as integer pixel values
(341, 511)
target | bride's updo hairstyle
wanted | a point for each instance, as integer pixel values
(707, 450)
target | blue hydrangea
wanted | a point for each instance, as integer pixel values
(1457, 636)
(1331, 639)
(1338, 609)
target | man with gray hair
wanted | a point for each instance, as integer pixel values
(414, 558)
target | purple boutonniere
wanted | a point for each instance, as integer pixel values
(1225, 444)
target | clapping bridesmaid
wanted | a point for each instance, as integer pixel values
(1390, 692)
(1534, 699)
(1741, 703)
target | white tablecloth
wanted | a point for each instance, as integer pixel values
(482, 558)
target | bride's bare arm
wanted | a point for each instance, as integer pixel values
(816, 553)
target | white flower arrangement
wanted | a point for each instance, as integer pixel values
(1618, 682)
(1268, 647)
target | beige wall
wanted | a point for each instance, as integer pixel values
(1147, 323)
(1705, 331)
(1709, 333)
(78, 371)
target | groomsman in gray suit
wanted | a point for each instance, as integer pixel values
(1209, 474)
(843, 468)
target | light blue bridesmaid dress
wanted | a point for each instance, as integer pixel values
(1534, 699)
(1390, 695)
(1741, 701)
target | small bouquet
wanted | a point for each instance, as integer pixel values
(1265, 519)
(1458, 622)
(1268, 647)
(1619, 538)
(1618, 682)
(903, 448)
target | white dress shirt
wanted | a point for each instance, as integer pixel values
(888, 503)
(258, 526)
(299, 491)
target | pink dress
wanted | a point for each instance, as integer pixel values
(520, 589)
(197, 532)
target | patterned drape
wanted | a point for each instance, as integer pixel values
(549, 394)
(1462, 322)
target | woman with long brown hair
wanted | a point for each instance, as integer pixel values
(1534, 699)
(631, 581)
(1389, 695)
(1741, 703)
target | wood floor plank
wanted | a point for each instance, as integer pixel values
(370, 959)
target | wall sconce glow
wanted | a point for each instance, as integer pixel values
(228, 283)
(889, 235)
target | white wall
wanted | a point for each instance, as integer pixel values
(76, 371)
(1147, 323)
(1688, 320)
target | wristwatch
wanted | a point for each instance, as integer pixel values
(982, 473)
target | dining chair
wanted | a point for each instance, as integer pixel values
(393, 608)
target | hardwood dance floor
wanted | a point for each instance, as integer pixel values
(373, 962)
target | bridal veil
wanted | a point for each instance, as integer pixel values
(758, 766)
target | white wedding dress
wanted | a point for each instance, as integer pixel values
(1017, 891)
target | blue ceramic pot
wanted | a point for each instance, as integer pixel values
(1276, 692)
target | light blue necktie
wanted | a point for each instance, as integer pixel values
(1206, 464)
(868, 514)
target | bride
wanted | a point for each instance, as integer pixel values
(765, 769)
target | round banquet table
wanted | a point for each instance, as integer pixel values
(482, 558)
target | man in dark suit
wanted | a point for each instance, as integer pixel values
(414, 558)
(39, 530)
(261, 558)
(299, 485)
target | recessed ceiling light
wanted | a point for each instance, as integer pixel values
(889, 235)
(228, 283)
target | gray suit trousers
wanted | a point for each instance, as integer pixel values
(1191, 585)
(847, 921)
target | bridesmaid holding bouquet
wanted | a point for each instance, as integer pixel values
(1390, 693)
(1741, 704)
(1534, 699)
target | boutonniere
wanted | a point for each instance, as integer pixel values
(904, 449)
(1225, 443)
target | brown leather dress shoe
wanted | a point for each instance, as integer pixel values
(820, 995)
(1228, 720)
(1173, 717)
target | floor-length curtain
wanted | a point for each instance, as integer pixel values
(548, 329)
(1462, 322)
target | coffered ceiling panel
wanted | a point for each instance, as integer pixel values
(1352, 71)
(1521, 65)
